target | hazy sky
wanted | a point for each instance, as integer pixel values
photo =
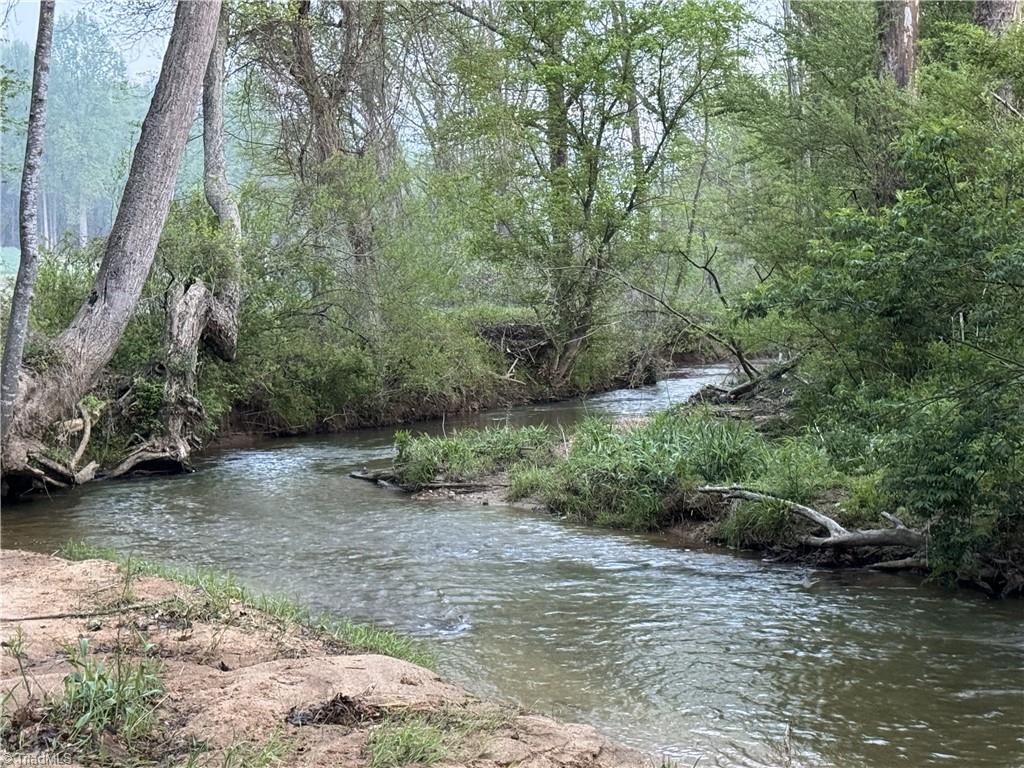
(142, 57)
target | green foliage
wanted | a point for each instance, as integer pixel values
(526, 479)
(407, 741)
(411, 738)
(249, 754)
(758, 525)
(796, 469)
(467, 454)
(101, 697)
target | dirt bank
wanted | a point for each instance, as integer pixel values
(241, 686)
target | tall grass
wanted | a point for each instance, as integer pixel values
(101, 697)
(468, 454)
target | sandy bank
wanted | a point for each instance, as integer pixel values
(236, 679)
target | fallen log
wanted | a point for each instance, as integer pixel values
(838, 536)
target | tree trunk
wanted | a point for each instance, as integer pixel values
(47, 238)
(89, 342)
(83, 220)
(898, 28)
(196, 313)
(17, 326)
(997, 16)
(323, 104)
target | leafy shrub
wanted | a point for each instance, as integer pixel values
(795, 469)
(758, 525)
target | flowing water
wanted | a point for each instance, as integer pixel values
(688, 654)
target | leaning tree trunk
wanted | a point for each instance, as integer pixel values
(898, 29)
(17, 326)
(195, 313)
(89, 342)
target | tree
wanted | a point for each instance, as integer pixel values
(17, 327)
(197, 312)
(599, 94)
(996, 16)
(90, 340)
(899, 21)
(90, 103)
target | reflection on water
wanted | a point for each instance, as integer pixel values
(689, 654)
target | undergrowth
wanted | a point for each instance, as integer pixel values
(468, 454)
(641, 477)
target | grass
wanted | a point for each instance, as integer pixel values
(641, 477)
(468, 454)
(248, 754)
(119, 697)
(425, 738)
(526, 479)
(406, 741)
(218, 592)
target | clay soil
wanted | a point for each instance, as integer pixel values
(237, 677)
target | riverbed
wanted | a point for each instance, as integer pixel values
(687, 654)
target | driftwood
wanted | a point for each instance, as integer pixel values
(716, 394)
(838, 536)
(387, 477)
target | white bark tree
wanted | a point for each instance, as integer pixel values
(17, 326)
(195, 312)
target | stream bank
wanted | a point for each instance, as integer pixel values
(239, 682)
(688, 653)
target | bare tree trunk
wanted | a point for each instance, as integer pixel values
(898, 28)
(94, 334)
(997, 16)
(17, 326)
(196, 313)
(83, 220)
(46, 230)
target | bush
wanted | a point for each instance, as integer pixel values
(795, 469)
(758, 525)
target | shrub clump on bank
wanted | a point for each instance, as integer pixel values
(684, 465)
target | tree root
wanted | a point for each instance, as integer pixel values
(156, 457)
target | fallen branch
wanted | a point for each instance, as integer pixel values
(839, 537)
(737, 492)
(88, 614)
(731, 395)
(905, 564)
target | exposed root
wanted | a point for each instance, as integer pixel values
(156, 457)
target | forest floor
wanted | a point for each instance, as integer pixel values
(191, 677)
